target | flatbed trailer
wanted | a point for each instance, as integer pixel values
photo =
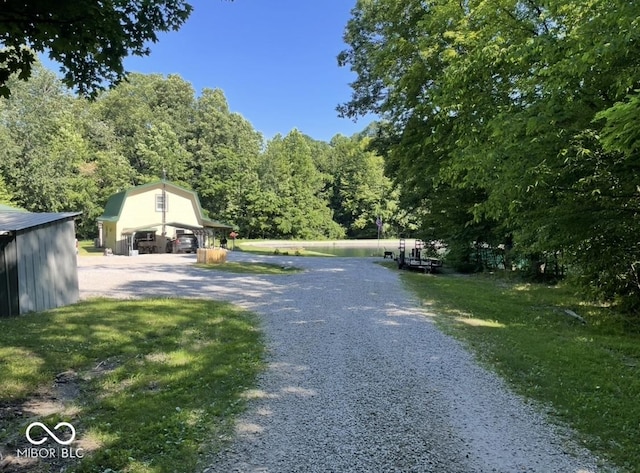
(415, 261)
(428, 265)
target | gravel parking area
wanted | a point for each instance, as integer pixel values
(359, 378)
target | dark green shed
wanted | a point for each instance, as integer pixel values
(38, 267)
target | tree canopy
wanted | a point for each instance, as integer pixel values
(89, 38)
(511, 124)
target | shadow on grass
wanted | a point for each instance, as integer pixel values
(522, 331)
(87, 248)
(175, 372)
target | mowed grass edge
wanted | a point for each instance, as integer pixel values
(159, 380)
(586, 375)
(249, 267)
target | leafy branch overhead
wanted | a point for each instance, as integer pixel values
(511, 122)
(89, 38)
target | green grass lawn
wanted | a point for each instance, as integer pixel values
(285, 251)
(247, 267)
(87, 248)
(587, 375)
(158, 381)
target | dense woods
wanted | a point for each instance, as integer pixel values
(60, 152)
(512, 127)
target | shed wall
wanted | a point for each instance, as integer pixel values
(8, 277)
(47, 267)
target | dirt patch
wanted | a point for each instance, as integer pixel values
(61, 400)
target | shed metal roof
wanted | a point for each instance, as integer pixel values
(17, 221)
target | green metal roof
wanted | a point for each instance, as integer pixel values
(114, 207)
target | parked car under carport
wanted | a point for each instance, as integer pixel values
(186, 243)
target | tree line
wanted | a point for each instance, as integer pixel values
(61, 152)
(511, 125)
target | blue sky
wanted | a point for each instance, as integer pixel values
(275, 60)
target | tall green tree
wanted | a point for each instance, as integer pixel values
(160, 154)
(225, 150)
(361, 193)
(109, 167)
(46, 160)
(5, 195)
(38, 127)
(151, 116)
(290, 180)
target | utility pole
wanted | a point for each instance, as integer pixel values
(164, 202)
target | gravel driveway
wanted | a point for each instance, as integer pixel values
(359, 378)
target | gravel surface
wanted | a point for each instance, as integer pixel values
(359, 378)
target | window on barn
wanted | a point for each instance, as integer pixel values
(161, 202)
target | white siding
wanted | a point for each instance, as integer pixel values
(139, 211)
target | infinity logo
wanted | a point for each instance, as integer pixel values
(46, 429)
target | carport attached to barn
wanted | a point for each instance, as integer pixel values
(206, 234)
(37, 261)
